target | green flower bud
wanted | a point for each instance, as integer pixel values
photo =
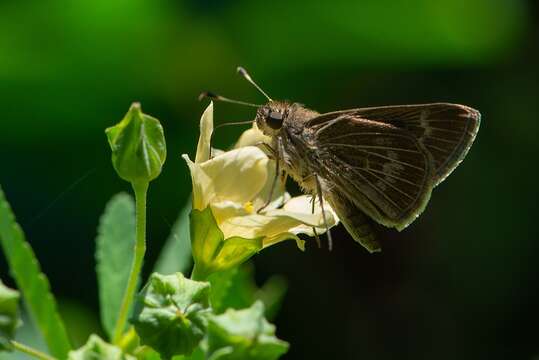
(138, 146)
(211, 251)
(9, 315)
(243, 335)
(96, 348)
(170, 314)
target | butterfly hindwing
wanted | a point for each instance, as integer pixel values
(354, 220)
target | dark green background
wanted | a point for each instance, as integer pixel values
(460, 283)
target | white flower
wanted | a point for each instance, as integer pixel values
(236, 184)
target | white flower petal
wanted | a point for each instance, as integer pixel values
(206, 129)
(303, 203)
(278, 197)
(300, 208)
(224, 210)
(237, 175)
(202, 185)
(284, 236)
(308, 230)
(256, 225)
(274, 222)
(252, 137)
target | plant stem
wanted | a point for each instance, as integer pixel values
(141, 190)
(30, 351)
(129, 341)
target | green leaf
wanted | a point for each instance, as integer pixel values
(243, 335)
(170, 314)
(211, 252)
(236, 288)
(138, 146)
(230, 290)
(32, 282)
(9, 315)
(114, 255)
(97, 349)
(176, 254)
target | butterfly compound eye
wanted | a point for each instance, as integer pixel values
(274, 120)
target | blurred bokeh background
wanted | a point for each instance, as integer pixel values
(461, 283)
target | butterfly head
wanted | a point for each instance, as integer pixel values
(270, 117)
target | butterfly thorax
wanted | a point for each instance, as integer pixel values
(284, 123)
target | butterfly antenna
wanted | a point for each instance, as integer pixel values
(248, 77)
(213, 96)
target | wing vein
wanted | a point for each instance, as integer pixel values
(373, 147)
(444, 140)
(437, 148)
(369, 133)
(376, 189)
(437, 129)
(388, 183)
(394, 177)
(393, 160)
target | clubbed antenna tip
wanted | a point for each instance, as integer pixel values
(248, 77)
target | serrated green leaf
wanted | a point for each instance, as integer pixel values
(228, 290)
(170, 314)
(114, 255)
(9, 315)
(211, 251)
(243, 335)
(32, 283)
(176, 254)
(97, 349)
(138, 146)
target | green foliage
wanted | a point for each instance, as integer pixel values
(138, 146)
(176, 254)
(211, 251)
(97, 349)
(170, 314)
(114, 255)
(243, 335)
(32, 282)
(235, 288)
(9, 315)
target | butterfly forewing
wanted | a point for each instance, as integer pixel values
(446, 130)
(382, 169)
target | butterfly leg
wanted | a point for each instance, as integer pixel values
(313, 199)
(275, 178)
(270, 151)
(319, 194)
